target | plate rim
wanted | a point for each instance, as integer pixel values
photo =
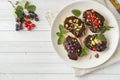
(54, 43)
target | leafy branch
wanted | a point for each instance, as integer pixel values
(61, 34)
(106, 28)
(23, 5)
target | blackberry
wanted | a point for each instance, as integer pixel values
(37, 19)
(17, 27)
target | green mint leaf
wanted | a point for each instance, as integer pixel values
(19, 12)
(105, 28)
(61, 34)
(84, 51)
(19, 8)
(23, 3)
(76, 12)
(101, 37)
(61, 40)
(58, 34)
(62, 29)
(31, 8)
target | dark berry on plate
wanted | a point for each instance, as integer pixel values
(35, 15)
(73, 47)
(17, 27)
(32, 16)
(92, 42)
(75, 26)
(93, 20)
(21, 26)
(36, 19)
(97, 55)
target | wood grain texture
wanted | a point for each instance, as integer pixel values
(28, 55)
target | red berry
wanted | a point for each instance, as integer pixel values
(94, 17)
(72, 48)
(88, 12)
(95, 20)
(89, 20)
(96, 26)
(94, 49)
(89, 17)
(29, 22)
(27, 17)
(25, 23)
(32, 25)
(29, 28)
(92, 10)
(96, 23)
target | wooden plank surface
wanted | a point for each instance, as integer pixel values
(28, 55)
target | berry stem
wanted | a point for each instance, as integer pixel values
(11, 4)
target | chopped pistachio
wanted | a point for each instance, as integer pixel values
(80, 26)
(93, 43)
(99, 21)
(77, 33)
(96, 41)
(77, 29)
(100, 41)
(78, 50)
(66, 25)
(90, 45)
(76, 24)
(91, 39)
(76, 20)
(70, 21)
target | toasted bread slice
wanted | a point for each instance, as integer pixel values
(95, 44)
(93, 20)
(75, 26)
(73, 47)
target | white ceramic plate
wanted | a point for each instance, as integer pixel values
(112, 35)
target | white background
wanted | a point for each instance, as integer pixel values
(28, 55)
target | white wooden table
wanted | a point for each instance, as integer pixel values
(30, 56)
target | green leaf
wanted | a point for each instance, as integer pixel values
(62, 29)
(19, 12)
(58, 34)
(101, 37)
(61, 40)
(61, 34)
(26, 5)
(76, 12)
(105, 28)
(31, 8)
(84, 51)
(19, 8)
(23, 3)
